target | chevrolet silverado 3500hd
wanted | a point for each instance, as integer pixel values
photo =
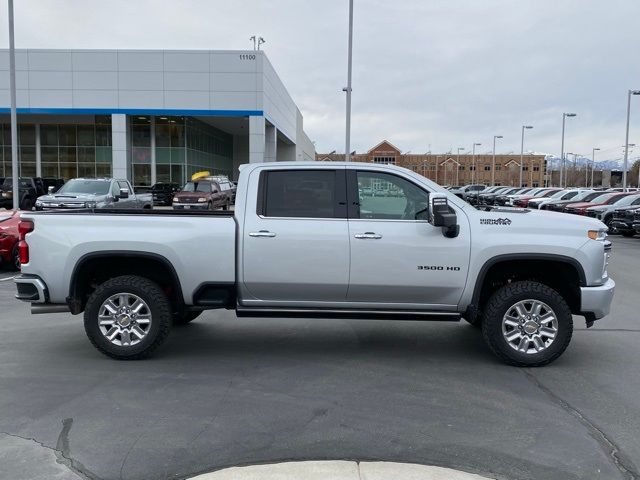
(306, 241)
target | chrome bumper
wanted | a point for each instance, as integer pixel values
(597, 300)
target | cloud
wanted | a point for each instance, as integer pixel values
(443, 73)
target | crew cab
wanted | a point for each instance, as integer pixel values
(622, 221)
(305, 241)
(94, 193)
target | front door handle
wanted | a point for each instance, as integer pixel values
(262, 233)
(371, 235)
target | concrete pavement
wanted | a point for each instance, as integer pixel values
(226, 392)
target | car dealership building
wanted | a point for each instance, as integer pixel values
(147, 115)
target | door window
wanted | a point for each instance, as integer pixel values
(389, 197)
(125, 186)
(115, 189)
(300, 193)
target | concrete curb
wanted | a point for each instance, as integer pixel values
(339, 470)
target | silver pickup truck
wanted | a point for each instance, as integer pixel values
(310, 240)
(94, 193)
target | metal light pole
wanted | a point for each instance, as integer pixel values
(458, 167)
(493, 162)
(473, 172)
(626, 142)
(14, 118)
(524, 127)
(347, 152)
(593, 163)
(564, 117)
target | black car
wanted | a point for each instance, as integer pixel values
(52, 183)
(503, 198)
(162, 193)
(29, 188)
(622, 221)
(636, 221)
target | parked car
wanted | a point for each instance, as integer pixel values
(94, 193)
(473, 196)
(52, 185)
(519, 274)
(622, 221)
(557, 196)
(606, 198)
(636, 221)
(162, 193)
(468, 189)
(523, 201)
(604, 213)
(505, 199)
(530, 194)
(559, 205)
(9, 255)
(492, 198)
(203, 194)
(29, 189)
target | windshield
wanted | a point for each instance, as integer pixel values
(559, 194)
(616, 199)
(204, 187)
(24, 183)
(600, 198)
(627, 200)
(85, 187)
(161, 187)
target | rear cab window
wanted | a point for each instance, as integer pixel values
(302, 193)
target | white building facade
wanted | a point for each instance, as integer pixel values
(147, 115)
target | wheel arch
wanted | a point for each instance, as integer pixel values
(95, 268)
(501, 267)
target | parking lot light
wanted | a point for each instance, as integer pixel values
(524, 127)
(493, 162)
(473, 172)
(593, 164)
(626, 142)
(564, 117)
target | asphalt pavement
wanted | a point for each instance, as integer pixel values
(225, 392)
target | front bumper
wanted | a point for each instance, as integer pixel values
(190, 206)
(596, 301)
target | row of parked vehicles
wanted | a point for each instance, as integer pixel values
(618, 208)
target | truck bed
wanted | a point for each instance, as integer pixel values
(200, 245)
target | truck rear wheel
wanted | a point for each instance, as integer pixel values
(527, 324)
(127, 317)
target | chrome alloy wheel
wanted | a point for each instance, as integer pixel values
(124, 319)
(530, 326)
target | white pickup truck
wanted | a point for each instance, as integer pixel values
(310, 240)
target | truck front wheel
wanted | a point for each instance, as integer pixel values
(127, 317)
(527, 324)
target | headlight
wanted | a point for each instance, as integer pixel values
(38, 203)
(202, 200)
(599, 235)
(90, 204)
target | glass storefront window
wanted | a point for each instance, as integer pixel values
(27, 135)
(67, 135)
(86, 135)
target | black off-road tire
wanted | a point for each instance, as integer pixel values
(497, 306)
(182, 318)
(148, 291)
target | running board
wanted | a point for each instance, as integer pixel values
(348, 313)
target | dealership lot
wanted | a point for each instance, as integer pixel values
(229, 392)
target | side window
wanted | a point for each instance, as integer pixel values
(299, 193)
(388, 197)
(115, 189)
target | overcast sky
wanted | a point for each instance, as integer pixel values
(436, 74)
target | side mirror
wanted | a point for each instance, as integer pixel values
(51, 189)
(443, 216)
(124, 193)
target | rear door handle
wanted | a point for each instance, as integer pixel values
(262, 233)
(368, 235)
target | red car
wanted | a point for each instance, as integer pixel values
(9, 220)
(607, 198)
